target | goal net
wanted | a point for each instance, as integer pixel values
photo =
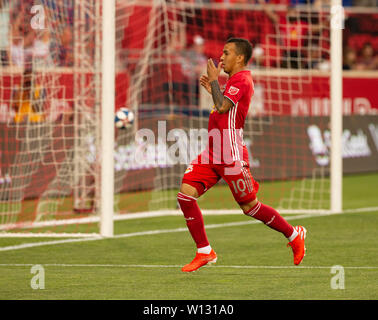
(164, 51)
(50, 91)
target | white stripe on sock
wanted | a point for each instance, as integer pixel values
(293, 235)
(254, 210)
(205, 250)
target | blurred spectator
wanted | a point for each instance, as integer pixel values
(194, 65)
(28, 46)
(194, 58)
(267, 55)
(41, 49)
(272, 54)
(28, 99)
(316, 60)
(367, 60)
(320, 3)
(349, 58)
(175, 84)
(61, 42)
(22, 40)
(258, 57)
(365, 3)
(4, 32)
(65, 48)
(293, 33)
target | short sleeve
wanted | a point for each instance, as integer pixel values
(234, 91)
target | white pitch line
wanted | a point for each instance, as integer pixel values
(162, 213)
(151, 232)
(141, 233)
(66, 265)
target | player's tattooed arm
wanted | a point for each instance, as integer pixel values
(221, 103)
(216, 93)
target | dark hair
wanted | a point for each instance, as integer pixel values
(243, 47)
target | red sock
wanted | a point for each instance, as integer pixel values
(271, 218)
(194, 219)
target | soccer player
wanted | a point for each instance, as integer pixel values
(226, 157)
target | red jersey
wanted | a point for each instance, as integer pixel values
(225, 144)
(293, 33)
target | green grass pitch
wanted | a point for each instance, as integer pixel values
(253, 260)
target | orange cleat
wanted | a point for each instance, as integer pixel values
(200, 260)
(298, 244)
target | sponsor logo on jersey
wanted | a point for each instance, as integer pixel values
(189, 169)
(233, 90)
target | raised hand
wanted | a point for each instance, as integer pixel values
(213, 71)
(204, 81)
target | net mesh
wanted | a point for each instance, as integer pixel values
(165, 51)
(50, 89)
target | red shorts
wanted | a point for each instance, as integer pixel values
(237, 175)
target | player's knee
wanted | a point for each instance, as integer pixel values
(189, 190)
(246, 207)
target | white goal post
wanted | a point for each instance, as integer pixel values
(107, 123)
(337, 23)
